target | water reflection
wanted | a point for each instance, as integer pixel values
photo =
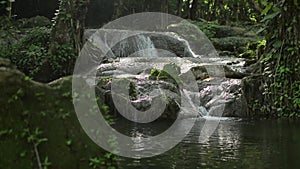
(235, 144)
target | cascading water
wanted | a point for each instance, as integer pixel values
(145, 47)
(129, 46)
(141, 45)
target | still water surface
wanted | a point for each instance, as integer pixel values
(240, 144)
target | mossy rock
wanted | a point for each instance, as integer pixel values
(170, 71)
(214, 30)
(233, 44)
(37, 21)
(200, 72)
(225, 31)
(27, 106)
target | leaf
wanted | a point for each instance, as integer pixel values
(267, 9)
(261, 30)
(277, 44)
(8, 8)
(270, 16)
(69, 142)
(275, 9)
(68, 15)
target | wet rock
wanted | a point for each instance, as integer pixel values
(200, 72)
(219, 78)
(169, 43)
(142, 93)
(220, 86)
(230, 73)
(218, 91)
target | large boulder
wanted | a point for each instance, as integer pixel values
(232, 43)
(39, 121)
(124, 43)
(144, 85)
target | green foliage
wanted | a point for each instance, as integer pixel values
(63, 60)
(34, 136)
(46, 163)
(105, 110)
(254, 49)
(106, 161)
(162, 74)
(15, 97)
(8, 4)
(281, 62)
(208, 28)
(31, 55)
(159, 74)
(30, 52)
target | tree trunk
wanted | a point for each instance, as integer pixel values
(164, 6)
(118, 9)
(255, 5)
(69, 24)
(194, 10)
(179, 7)
(188, 9)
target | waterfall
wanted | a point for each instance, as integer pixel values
(144, 46)
(126, 43)
(139, 51)
(139, 45)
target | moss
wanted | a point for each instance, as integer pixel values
(163, 74)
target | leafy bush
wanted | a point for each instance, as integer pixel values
(31, 56)
(254, 50)
(30, 52)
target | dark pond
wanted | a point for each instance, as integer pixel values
(268, 144)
